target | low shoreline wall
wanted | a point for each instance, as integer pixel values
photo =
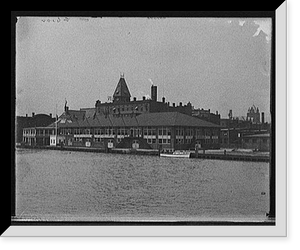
(154, 152)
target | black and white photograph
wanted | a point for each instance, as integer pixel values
(145, 120)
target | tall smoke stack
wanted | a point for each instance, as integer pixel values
(262, 117)
(154, 93)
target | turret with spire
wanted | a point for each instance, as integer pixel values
(122, 93)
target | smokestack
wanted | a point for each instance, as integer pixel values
(154, 93)
(262, 117)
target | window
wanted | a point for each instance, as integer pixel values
(97, 131)
(149, 133)
(97, 139)
(179, 132)
(179, 141)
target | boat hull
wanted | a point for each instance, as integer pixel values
(176, 155)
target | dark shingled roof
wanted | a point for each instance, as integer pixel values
(172, 119)
(146, 119)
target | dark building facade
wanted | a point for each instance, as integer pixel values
(260, 142)
(233, 130)
(163, 130)
(36, 120)
(122, 105)
(253, 114)
(129, 123)
(207, 115)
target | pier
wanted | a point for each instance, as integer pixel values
(232, 157)
(236, 156)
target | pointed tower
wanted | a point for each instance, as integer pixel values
(121, 93)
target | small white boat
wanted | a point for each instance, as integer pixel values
(177, 154)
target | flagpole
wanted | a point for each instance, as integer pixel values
(56, 124)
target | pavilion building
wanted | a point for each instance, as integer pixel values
(126, 123)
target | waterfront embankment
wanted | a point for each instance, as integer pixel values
(227, 154)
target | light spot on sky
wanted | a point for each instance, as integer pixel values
(264, 26)
(241, 22)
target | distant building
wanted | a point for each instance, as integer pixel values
(122, 105)
(259, 142)
(36, 120)
(253, 115)
(37, 136)
(207, 115)
(233, 129)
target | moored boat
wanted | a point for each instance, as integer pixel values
(177, 154)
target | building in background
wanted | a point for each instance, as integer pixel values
(234, 129)
(260, 142)
(253, 115)
(121, 104)
(36, 120)
(207, 115)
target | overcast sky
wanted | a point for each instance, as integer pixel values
(215, 63)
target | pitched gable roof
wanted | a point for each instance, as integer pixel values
(122, 89)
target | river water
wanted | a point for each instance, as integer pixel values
(60, 185)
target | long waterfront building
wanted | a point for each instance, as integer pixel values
(122, 123)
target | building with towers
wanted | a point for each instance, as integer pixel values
(126, 122)
(253, 115)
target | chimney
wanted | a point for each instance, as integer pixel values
(174, 104)
(50, 115)
(144, 98)
(217, 112)
(134, 99)
(154, 93)
(33, 114)
(180, 104)
(163, 99)
(262, 117)
(26, 115)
